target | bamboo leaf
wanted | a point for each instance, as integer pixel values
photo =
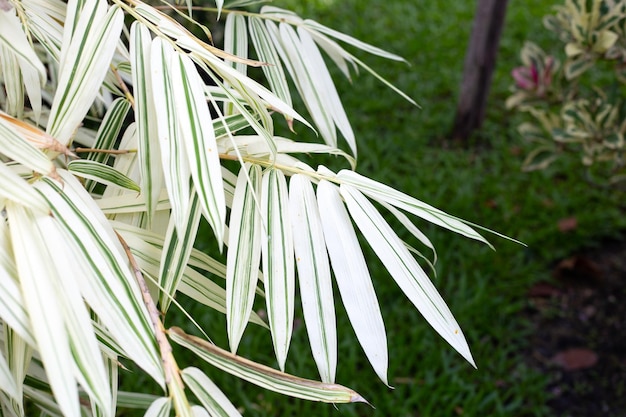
(264, 376)
(37, 279)
(7, 382)
(102, 173)
(86, 55)
(278, 265)
(110, 288)
(176, 251)
(19, 355)
(161, 407)
(173, 156)
(316, 289)
(353, 278)
(14, 188)
(244, 252)
(384, 193)
(199, 141)
(14, 146)
(404, 269)
(209, 395)
(146, 117)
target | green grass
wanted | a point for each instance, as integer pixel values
(405, 147)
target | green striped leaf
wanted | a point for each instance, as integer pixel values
(384, 193)
(278, 262)
(244, 252)
(209, 395)
(404, 269)
(7, 382)
(173, 156)
(146, 117)
(199, 141)
(176, 251)
(101, 173)
(108, 133)
(235, 43)
(86, 55)
(264, 376)
(353, 278)
(39, 284)
(316, 290)
(161, 407)
(109, 288)
(266, 50)
(14, 146)
(14, 188)
(18, 354)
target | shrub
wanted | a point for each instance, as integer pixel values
(120, 132)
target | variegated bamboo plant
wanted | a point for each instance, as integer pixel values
(115, 131)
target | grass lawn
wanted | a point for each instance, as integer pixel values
(406, 147)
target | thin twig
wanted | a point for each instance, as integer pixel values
(123, 86)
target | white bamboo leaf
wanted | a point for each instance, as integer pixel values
(19, 355)
(209, 395)
(266, 50)
(131, 203)
(136, 400)
(14, 146)
(199, 141)
(173, 156)
(404, 269)
(88, 365)
(236, 43)
(236, 39)
(45, 17)
(108, 133)
(193, 284)
(12, 309)
(33, 72)
(14, 188)
(316, 290)
(176, 251)
(278, 262)
(37, 278)
(102, 173)
(302, 71)
(7, 382)
(13, 85)
(146, 116)
(161, 407)
(340, 56)
(262, 375)
(408, 224)
(324, 83)
(353, 278)
(241, 82)
(86, 57)
(244, 252)
(199, 411)
(110, 288)
(384, 193)
(281, 14)
(370, 49)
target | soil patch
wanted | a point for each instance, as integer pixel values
(579, 333)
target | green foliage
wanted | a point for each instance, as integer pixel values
(578, 106)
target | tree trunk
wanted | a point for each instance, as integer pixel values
(480, 61)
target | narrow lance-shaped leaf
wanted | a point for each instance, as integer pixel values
(110, 289)
(210, 396)
(19, 355)
(235, 43)
(176, 251)
(146, 117)
(173, 156)
(404, 269)
(353, 278)
(278, 265)
(382, 192)
(316, 290)
(244, 252)
(86, 58)
(199, 141)
(262, 375)
(7, 382)
(102, 173)
(37, 278)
